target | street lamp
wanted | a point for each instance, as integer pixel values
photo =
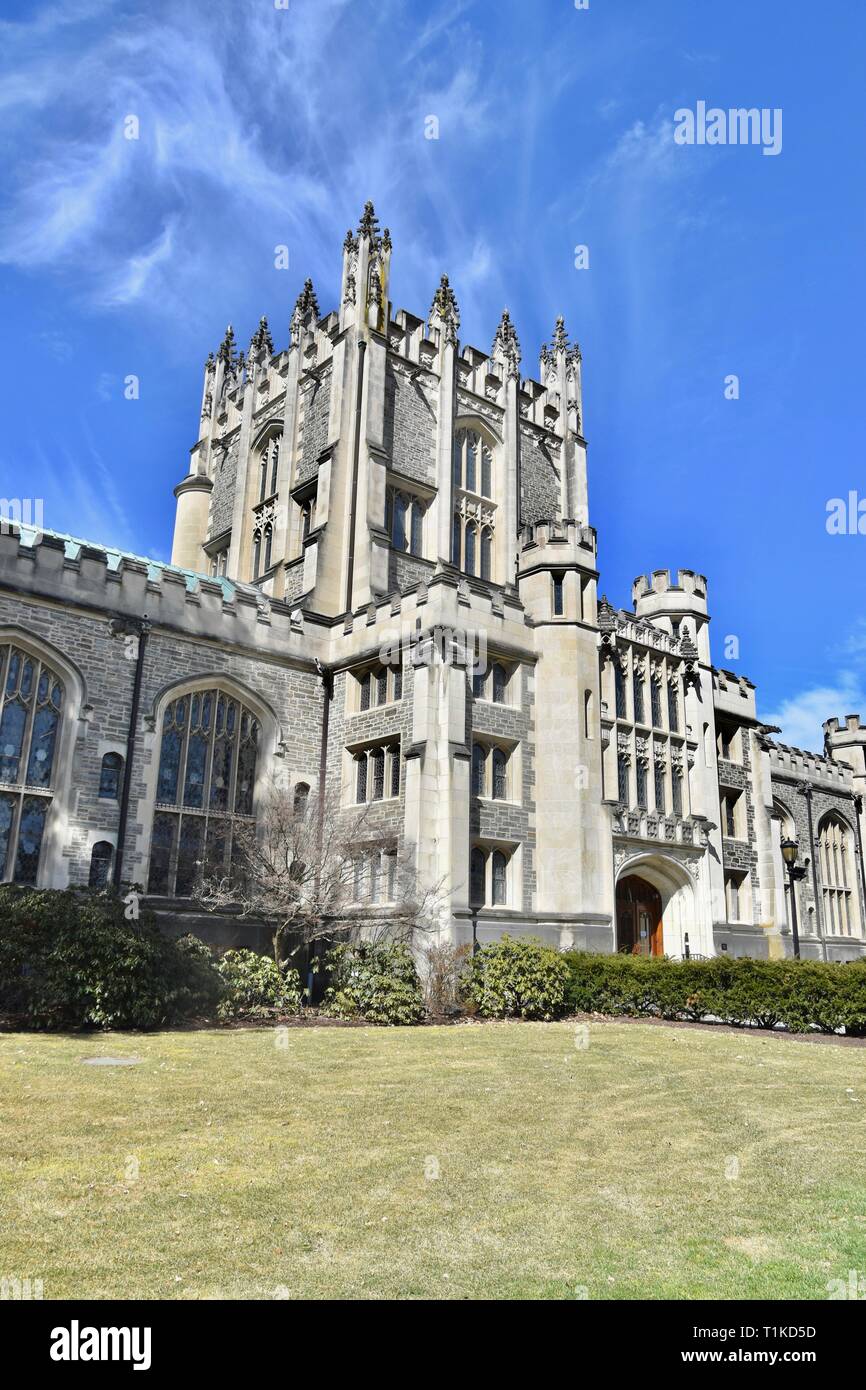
(790, 850)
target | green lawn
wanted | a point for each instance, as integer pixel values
(227, 1166)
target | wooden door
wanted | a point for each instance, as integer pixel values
(638, 917)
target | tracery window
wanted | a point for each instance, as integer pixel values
(263, 541)
(472, 538)
(404, 521)
(637, 690)
(656, 699)
(838, 878)
(379, 685)
(32, 701)
(673, 708)
(376, 773)
(269, 460)
(205, 787)
(488, 877)
(619, 690)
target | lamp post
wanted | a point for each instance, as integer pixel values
(790, 850)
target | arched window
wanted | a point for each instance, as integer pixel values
(477, 874)
(472, 542)
(656, 699)
(377, 773)
(500, 775)
(301, 800)
(31, 701)
(269, 463)
(838, 878)
(269, 539)
(673, 708)
(109, 777)
(486, 552)
(404, 520)
(257, 554)
(205, 786)
(361, 777)
(499, 877)
(637, 691)
(100, 864)
(500, 684)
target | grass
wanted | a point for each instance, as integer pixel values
(227, 1166)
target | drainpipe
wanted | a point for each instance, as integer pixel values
(858, 812)
(350, 569)
(144, 629)
(819, 916)
(326, 676)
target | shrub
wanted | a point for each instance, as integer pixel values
(444, 979)
(376, 981)
(798, 994)
(72, 960)
(514, 978)
(255, 986)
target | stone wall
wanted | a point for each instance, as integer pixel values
(409, 427)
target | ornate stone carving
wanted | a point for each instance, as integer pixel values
(445, 312)
(507, 346)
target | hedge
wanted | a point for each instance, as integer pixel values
(799, 994)
(518, 977)
(376, 981)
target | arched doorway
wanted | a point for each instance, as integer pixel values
(638, 917)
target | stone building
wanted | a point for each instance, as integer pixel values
(384, 587)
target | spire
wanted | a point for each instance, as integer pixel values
(506, 345)
(261, 342)
(560, 345)
(444, 308)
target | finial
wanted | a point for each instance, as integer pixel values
(369, 223)
(227, 349)
(506, 343)
(444, 307)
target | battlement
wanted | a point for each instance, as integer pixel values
(659, 582)
(55, 567)
(832, 728)
(544, 534)
(799, 762)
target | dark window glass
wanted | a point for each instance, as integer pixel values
(382, 686)
(109, 777)
(479, 760)
(12, 728)
(622, 779)
(398, 526)
(100, 863)
(247, 757)
(161, 846)
(366, 685)
(257, 554)
(656, 695)
(263, 480)
(673, 708)
(417, 528)
(500, 774)
(395, 772)
(306, 519)
(7, 811)
(486, 471)
(638, 697)
(677, 790)
(619, 688)
(469, 562)
(361, 777)
(486, 552)
(471, 457)
(269, 542)
(398, 682)
(558, 600)
(499, 877)
(377, 758)
(479, 680)
(499, 684)
(33, 812)
(275, 460)
(457, 471)
(189, 854)
(476, 878)
(659, 774)
(641, 786)
(456, 530)
(730, 818)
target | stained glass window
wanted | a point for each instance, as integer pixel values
(109, 777)
(206, 779)
(32, 702)
(100, 863)
(499, 876)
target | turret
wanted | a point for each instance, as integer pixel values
(678, 606)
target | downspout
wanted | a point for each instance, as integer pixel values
(858, 812)
(819, 916)
(326, 676)
(350, 568)
(143, 630)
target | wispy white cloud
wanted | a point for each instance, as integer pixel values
(801, 716)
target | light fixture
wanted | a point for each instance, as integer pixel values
(790, 849)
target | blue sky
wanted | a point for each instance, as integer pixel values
(261, 126)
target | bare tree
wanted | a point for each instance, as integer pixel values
(316, 873)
